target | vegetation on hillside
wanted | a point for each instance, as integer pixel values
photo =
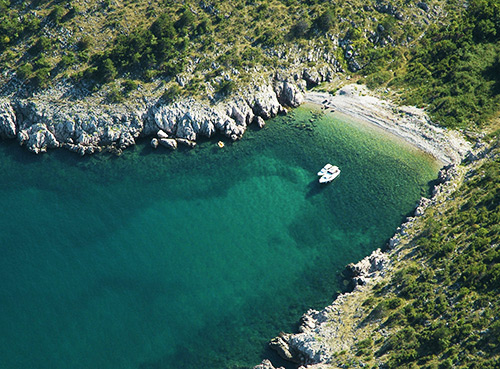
(101, 42)
(442, 305)
(454, 69)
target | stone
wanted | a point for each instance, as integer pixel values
(8, 127)
(186, 142)
(421, 206)
(161, 134)
(311, 77)
(169, 143)
(291, 95)
(37, 138)
(264, 102)
(367, 268)
(126, 140)
(154, 143)
(259, 121)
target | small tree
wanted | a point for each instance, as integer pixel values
(325, 21)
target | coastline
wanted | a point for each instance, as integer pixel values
(408, 122)
(339, 329)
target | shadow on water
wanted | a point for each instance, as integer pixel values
(314, 188)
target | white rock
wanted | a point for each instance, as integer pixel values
(8, 128)
(169, 143)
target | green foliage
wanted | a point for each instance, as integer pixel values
(455, 69)
(56, 14)
(300, 28)
(226, 87)
(325, 21)
(447, 305)
(171, 93)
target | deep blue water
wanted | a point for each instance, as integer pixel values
(194, 258)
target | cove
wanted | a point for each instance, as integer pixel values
(194, 258)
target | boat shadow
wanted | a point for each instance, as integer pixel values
(314, 188)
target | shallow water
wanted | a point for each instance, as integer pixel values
(195, 258)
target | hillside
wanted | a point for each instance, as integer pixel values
(135, 48)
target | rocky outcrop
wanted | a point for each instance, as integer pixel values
(368, 268)
(41, 125)
(8, 128)
(289, 94)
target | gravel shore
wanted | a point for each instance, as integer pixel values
(408, 122)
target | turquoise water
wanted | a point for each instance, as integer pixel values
(196, 258)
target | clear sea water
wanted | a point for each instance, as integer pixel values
(194, 258)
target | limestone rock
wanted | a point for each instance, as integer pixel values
(281, 344)
(264, 102)
(367, 268)
(161, 134)
(169, 143)
(38, 138)
(421, 206)
(312, 77)
(259, 121)
(290, 95)
(8, 127)
(126, 140)
(185, 142)
(154, 143)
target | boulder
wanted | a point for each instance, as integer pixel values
(161, 134)
(368, 268)
(311, 77)
(169, 143)
(264, 102)
(421, 206)
(126, 140)
(186, 142)
(154, 143)
(38, 138)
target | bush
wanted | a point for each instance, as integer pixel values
(41, 45)
(325, 21)
(300, 28)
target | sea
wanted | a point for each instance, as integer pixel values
(195, 258)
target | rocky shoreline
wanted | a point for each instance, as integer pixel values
(41, 124)
(342, 325)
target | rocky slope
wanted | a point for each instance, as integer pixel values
(40, 125)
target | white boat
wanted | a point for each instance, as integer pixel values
(324, 169)
(330, 174)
